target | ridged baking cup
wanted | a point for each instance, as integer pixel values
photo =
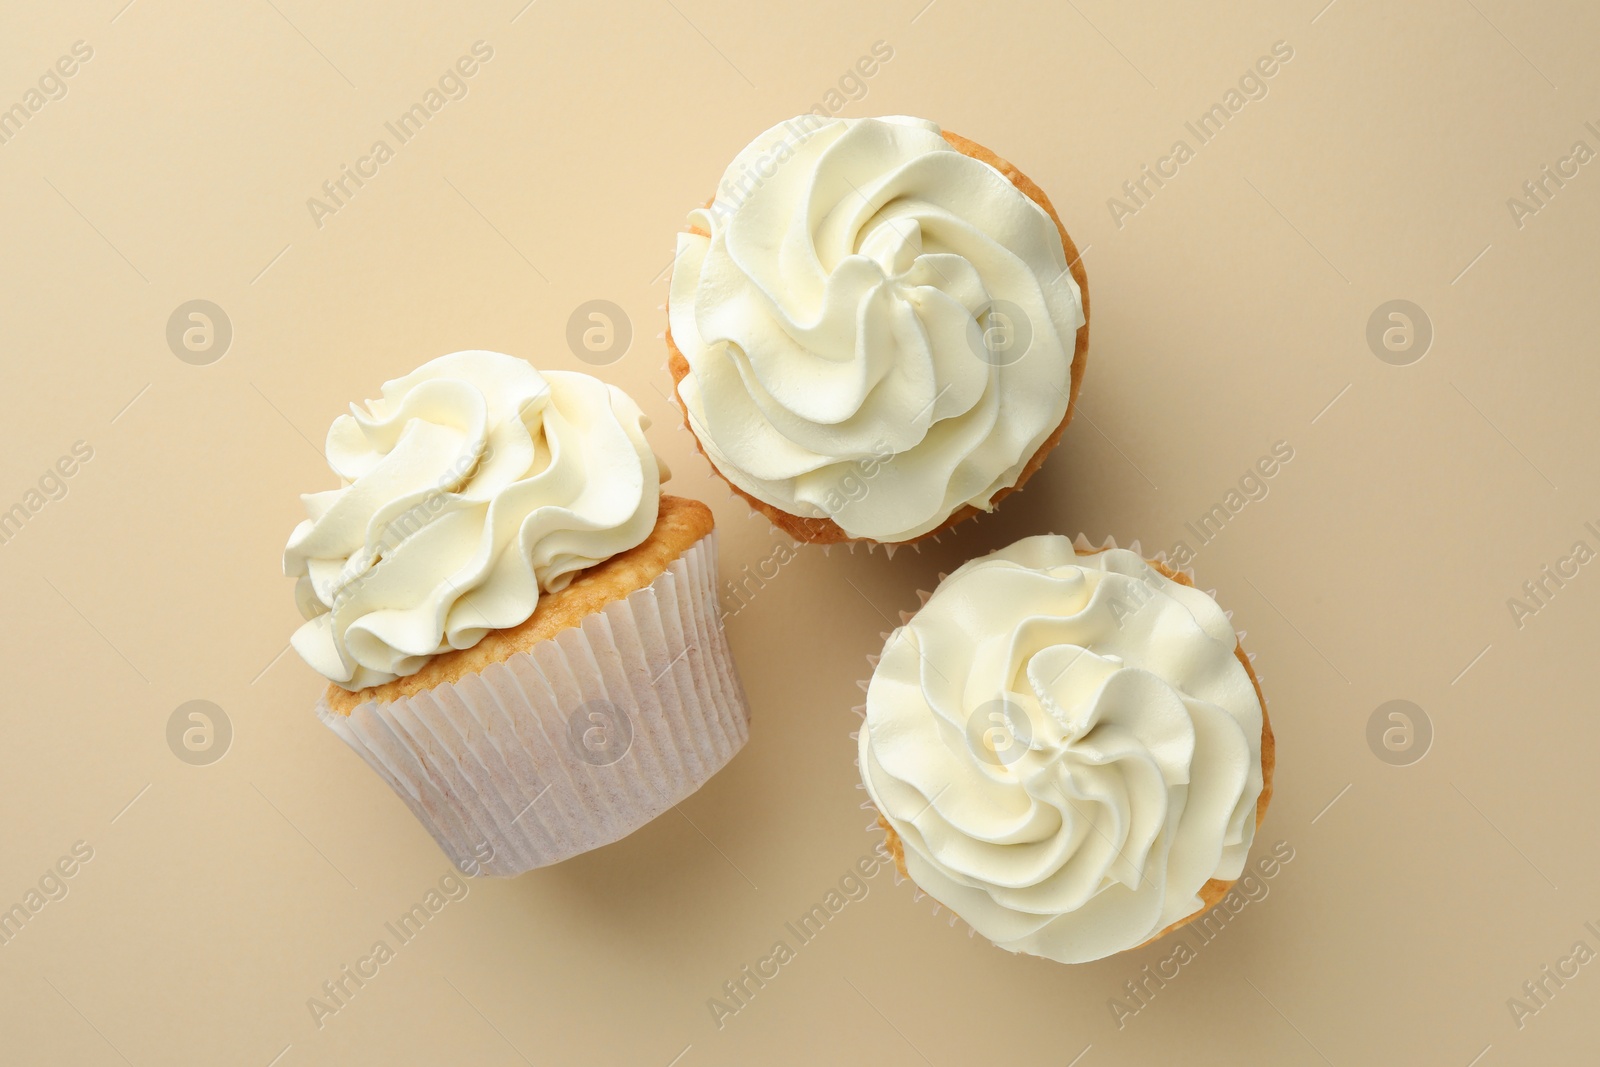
(574, 743)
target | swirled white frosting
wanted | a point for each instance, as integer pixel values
(1068, 747)
(879, 329)
(473, 484)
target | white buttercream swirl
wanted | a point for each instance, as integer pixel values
(473, 484)
(879, 329)
(1068, 747)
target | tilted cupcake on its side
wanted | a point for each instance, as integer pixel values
(521, 632)
(877, 329)
(1068, 748)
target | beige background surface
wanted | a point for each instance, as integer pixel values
(1230, 313)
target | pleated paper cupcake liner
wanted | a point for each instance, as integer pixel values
(574, 743)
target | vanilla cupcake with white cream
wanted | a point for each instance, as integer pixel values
(521, 632)
(877, 328)
(1068, 748)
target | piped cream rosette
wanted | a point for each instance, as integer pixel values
(875, 293)
(1067, 747)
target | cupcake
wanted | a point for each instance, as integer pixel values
(520, 632)
(876, 329)
(1068, 748)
